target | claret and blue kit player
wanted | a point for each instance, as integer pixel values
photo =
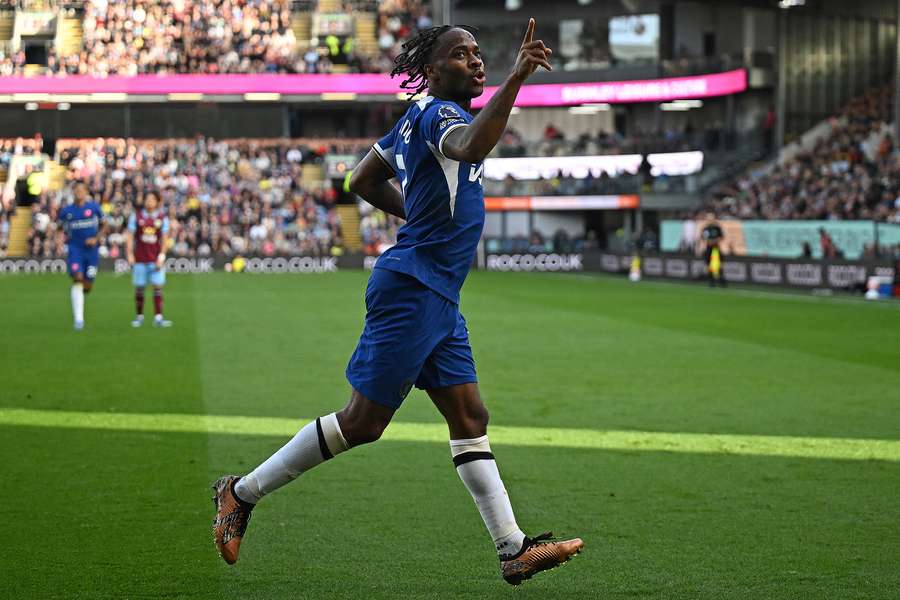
(145, 243)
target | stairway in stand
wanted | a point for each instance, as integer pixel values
(350, 226)
(19, 226)
(70, 33)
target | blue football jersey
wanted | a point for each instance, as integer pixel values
(81, 222)
(443, 198)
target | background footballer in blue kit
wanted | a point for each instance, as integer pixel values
(82, 223)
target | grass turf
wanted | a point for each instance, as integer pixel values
(95, 512)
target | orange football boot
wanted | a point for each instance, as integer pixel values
(538, 554)
(232, 517)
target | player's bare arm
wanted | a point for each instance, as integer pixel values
(163, 244)
(129, 247)
(473, 143)
(371, 181)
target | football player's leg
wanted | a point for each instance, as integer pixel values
(450, 374)
(467, 419)
(360, 422)
(76, 294)
(450, 379)
(158, 279)
(386, 361)
(139, 281)
(91, 260)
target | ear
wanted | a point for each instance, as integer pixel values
(432, 73)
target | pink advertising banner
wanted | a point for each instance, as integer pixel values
(617, 92)
(566, 94)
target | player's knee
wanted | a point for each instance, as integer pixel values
(482, 417)
(357, 433)
(476, 417)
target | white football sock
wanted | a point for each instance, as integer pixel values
(315, 443)
(78, 302)
(478, 470)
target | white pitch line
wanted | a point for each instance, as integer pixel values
(588, 439)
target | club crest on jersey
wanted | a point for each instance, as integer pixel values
(157, 223)
(87, 213)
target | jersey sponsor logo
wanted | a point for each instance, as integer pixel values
(476, 174)
(83, 224)
(148, 235)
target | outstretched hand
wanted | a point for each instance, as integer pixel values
(532, 54)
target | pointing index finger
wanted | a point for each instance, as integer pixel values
(529, 32)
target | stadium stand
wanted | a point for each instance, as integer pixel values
(852, 173)
(131, 37)
(264, 197)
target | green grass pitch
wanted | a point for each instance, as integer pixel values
(704, 443)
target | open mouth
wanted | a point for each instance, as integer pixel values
(478, 77)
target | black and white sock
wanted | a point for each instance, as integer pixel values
(314, 444)
(478, 470)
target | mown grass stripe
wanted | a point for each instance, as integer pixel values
(698, 443)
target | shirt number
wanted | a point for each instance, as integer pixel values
(406, 131)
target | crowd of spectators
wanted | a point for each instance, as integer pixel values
(851, 173)
(560, 185)
(398, 20)
(554, 142)
(222, 197)
(377, 229)
(174, 36)
(131, 37)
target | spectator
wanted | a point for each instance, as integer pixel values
(222, 197)
(852, 173)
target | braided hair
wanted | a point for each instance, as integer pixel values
(416, 54)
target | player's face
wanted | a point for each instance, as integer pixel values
(458, 70)
(150, 202)
(81, 193)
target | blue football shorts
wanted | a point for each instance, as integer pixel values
(412, 336)
(83, 260)
(142, 272)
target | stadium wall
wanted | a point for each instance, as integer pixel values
(802, 274)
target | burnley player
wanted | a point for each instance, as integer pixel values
(82, 221)
(145, 244)
(414, 333)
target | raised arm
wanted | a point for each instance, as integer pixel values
(473, 143)
(371, 181)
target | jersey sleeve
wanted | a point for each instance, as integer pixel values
(438, 121)
(101, 216)
(132, 223)
(384, 148)
(165, 226)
